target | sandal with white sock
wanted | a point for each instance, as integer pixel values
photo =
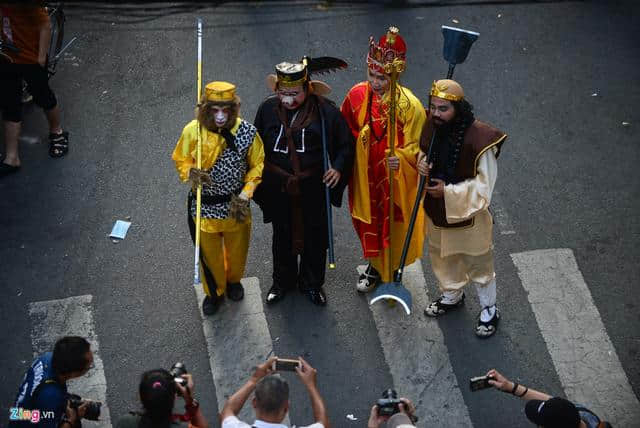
(486, 329)
(438, 307)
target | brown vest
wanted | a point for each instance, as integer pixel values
(479, 138)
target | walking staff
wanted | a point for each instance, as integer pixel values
(196, 258)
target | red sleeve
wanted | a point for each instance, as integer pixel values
(349, 110)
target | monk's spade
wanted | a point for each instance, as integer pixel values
(457, 43)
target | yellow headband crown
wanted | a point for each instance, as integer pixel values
(447, 89)
(220, 91)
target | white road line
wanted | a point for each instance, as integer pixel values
(238, 339)
(72, 316)
(417, 356)
(582, 353)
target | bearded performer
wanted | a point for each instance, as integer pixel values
(232, 163)
(292, 194)
(463, 170)
(366, 109)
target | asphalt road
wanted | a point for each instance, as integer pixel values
(567, 179)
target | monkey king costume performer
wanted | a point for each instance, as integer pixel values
(232, 163)
(292, 193)
(366, 108)
(463, 170)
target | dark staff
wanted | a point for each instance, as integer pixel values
(324, 65)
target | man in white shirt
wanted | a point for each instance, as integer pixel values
(271, 398)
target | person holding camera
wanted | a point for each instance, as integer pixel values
(44, 386)
(158, 389)
(391, 412)
(271, 398)
(543, 409)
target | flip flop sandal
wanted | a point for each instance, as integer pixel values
(58, 144)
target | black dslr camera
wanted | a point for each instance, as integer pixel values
(93, 407)
(176, 371)
(389, 403)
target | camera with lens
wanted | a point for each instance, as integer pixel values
(176, 371)
(92, 411)
(389, 404)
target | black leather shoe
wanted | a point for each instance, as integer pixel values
(235, 291)
(317, 297)
(210, 305)
(275, 294)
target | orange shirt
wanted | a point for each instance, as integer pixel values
(21, 27)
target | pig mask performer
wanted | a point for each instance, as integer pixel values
(293, 123)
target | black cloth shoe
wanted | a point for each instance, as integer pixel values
(437, 308)
(275, 294)
(210, 305)
(317, 296)
(368, 280)
(487, 329)
(235, 291)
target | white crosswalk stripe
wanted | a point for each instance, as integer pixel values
(240, 328)
(584, 357)
(72, 316)
(417, 356)
(413, 346)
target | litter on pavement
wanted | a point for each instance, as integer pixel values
(120, 229)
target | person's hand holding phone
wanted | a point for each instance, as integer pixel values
(306, 373)
(499, 381)
(263, 369)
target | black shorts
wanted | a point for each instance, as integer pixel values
(11, 77)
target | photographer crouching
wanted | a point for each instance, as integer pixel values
(44, 388)
(158, 390)
(392, 412)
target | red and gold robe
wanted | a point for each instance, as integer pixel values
(366, 114)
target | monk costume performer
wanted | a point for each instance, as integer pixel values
(232, 163)
(462, 172)
(366, 109)
(292, 195)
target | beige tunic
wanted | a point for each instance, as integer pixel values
(465, 200)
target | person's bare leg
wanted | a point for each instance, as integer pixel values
(53, 116)
(11, 134)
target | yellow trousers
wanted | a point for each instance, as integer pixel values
(225, 254)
